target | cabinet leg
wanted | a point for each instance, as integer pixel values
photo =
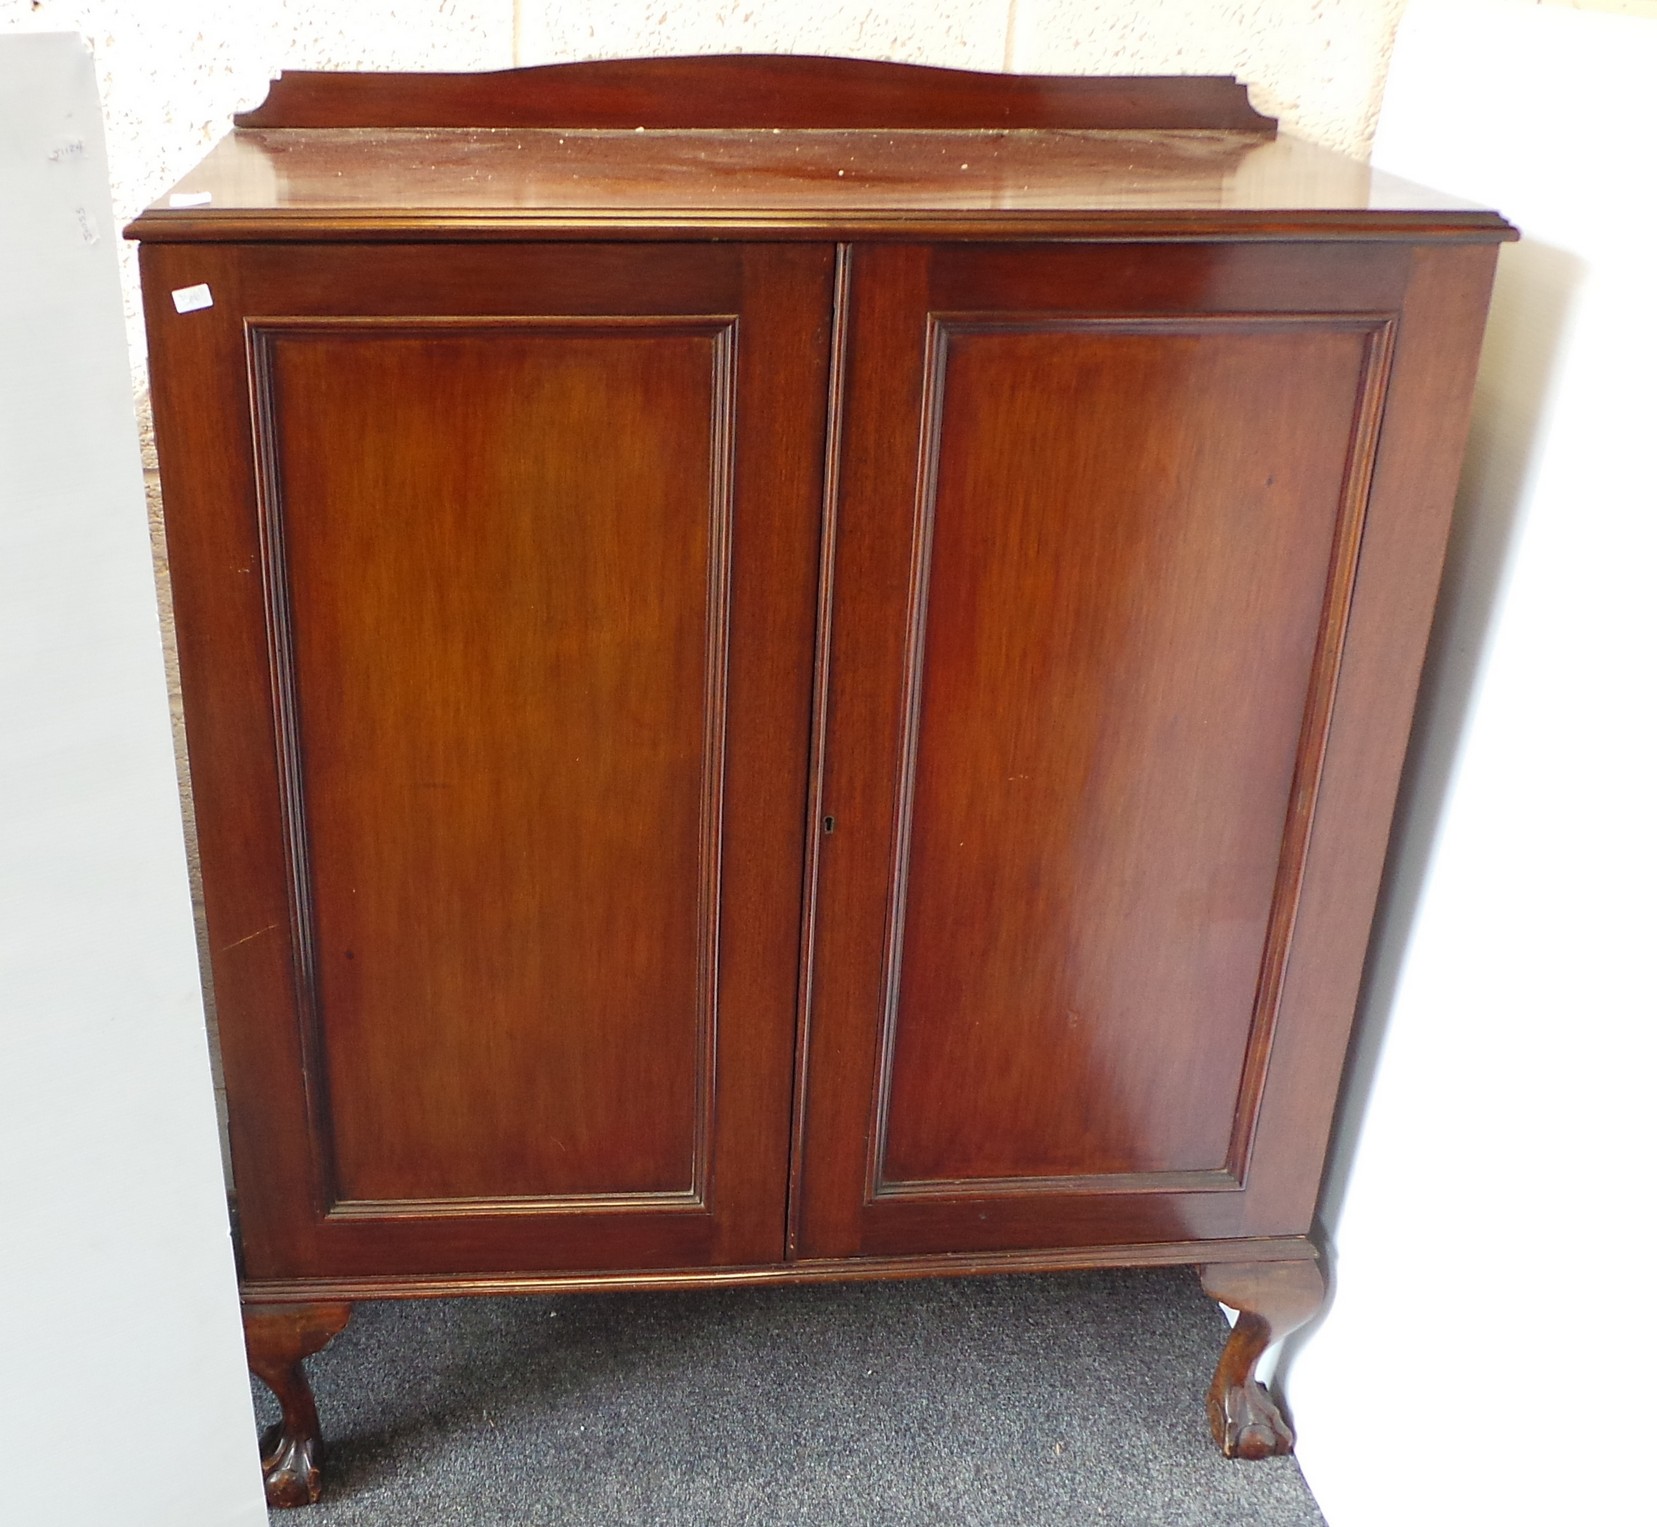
(1272, 1299)
(279, 1338)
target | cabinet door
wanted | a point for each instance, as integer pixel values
(495, 572)
(1081, 973)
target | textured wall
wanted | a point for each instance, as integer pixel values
(963, 34)
(1319, 65)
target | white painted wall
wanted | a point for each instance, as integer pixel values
(1487, 1354)
(123, 1399)
(1317, 65)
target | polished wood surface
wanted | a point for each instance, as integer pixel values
(815, 698)
(279, 1337)
(754, 90)
(510, 734)
(794, 1272)
(1096, 796)
(1429, 398)
(1074, 746)
(500, 692)
(462, 183)
(1272, 1299)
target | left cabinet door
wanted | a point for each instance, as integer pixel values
(495, 572)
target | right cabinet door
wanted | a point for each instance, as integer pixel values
(1099, 515)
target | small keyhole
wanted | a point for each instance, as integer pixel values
(828, 824)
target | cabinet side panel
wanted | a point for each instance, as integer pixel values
(1423, 437)
(498, 552)
(1131, 526)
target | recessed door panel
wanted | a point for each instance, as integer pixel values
(504, 554)
(1124, 552)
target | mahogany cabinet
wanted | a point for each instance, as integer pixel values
(794, 669)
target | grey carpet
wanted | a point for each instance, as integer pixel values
(1073, 1398)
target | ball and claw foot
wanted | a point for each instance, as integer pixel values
(279, 1338)
(292, 1467)
(1245, 1422)
(1272, 1299)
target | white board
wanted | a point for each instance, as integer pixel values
(123, 1397)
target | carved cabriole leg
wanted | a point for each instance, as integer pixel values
(279, 1338)
(1272, 1299)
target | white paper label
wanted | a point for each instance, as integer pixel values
(190, 199)
(191, 299)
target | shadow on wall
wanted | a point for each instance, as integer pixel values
(1536, 288)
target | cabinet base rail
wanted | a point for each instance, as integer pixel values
(1275, 1284)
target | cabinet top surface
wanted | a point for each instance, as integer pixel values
(775, 147)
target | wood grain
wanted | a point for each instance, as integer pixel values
(1272, 1299)
(754, 90)
(1423, 432)
(1076, 729)
(459, 183)
(507, 729)
(795, 670)
(279, 1338)
(1102, 735)
(514, 955)
(795, 1271)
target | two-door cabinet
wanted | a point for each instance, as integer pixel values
(794, 669)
